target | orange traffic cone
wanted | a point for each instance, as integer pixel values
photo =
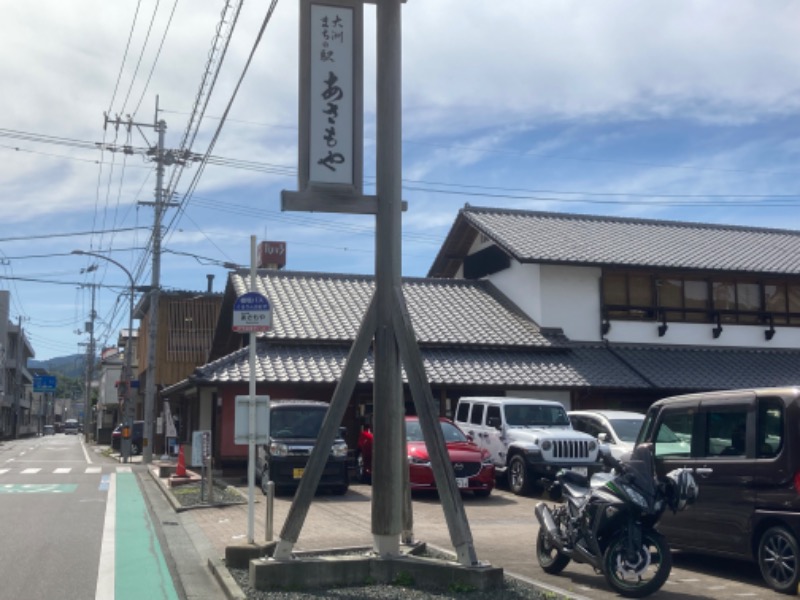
(180, 470)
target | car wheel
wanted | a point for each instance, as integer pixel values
(778, 556)
(361, 469)
(519, 480)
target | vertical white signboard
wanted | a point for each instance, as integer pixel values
(331, 95)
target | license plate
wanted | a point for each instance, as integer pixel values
(581, 471)
(462, 482)
(297, 473)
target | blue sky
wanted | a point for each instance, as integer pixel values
(667, 109)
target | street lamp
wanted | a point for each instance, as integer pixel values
(125, 446)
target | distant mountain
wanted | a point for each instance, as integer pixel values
(71, 366)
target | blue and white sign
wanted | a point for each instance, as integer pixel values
(252, 313)
(44, 383)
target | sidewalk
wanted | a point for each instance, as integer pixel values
(339, 522)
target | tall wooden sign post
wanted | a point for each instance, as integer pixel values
(331, 42)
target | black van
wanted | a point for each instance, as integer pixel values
(744, 448)
(294, 427)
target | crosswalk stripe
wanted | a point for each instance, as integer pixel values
(65, 470)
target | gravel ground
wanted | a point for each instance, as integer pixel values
(513, 589)
(192, 495)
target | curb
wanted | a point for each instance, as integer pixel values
(225, 580)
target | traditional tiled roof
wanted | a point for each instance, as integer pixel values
(698, 368)
(584, 366)
(329, 308)
(559, 238)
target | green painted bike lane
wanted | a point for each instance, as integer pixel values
(140, 569)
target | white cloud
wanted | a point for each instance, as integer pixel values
(545, 96)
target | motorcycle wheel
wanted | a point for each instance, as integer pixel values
(645, 575)
(550, 559)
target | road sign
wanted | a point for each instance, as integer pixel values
(252, 313)
(44, 383)
(241, 424)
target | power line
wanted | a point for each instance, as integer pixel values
(195, 180)
(51, 235)
(155, 60)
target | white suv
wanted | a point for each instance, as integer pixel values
(616, 428)
(529, 439)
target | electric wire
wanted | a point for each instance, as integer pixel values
(155, 60)
(198, 174)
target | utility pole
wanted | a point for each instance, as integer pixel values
(87, 402)
(18, 378)
(162, 159)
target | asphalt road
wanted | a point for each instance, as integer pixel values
(74, 524)
(51, 523)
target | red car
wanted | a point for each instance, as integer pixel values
(472, 465)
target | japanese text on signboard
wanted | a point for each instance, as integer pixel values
(331, 143)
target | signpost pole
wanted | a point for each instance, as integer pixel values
(251, 458)
(252, 314)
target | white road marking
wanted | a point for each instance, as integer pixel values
(124, 470)
(90, 470)
(86, 452)
(4, 471)
(105, 572)
(62, 470)
(30, 471)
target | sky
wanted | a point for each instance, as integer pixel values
(667, 109)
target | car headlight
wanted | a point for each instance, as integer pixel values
(486, 460)
(546, 445)
(416, 460)
(635, 496)
(339, 450)
(592, 446)
(278, 449)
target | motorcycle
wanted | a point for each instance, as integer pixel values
(609, 522)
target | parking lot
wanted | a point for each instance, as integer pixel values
(504, 531)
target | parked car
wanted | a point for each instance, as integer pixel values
(294, 428)
(472, 465)
(616, 428)
(528, 439)
(744, 448)
(137, 438)
(71, 426)
(48, 430)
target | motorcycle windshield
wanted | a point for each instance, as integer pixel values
(640, 470)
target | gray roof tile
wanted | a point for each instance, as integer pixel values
(692, 368)
(329, 307)
(581, 366)
(531, 236)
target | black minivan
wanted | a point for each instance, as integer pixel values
(744, 448)
(294, 428)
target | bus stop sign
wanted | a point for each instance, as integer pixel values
(252, 313)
